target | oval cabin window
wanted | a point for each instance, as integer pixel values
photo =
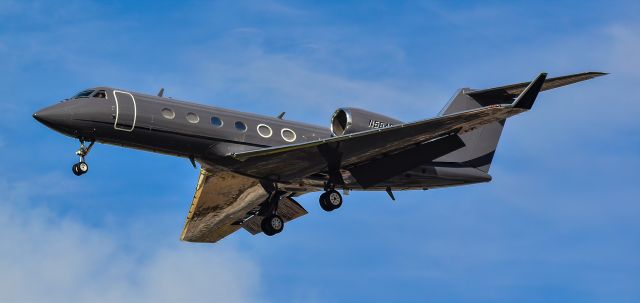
(168, 113)
(241, 126)
(193, 118)
(264, 130)
(215, 121)
(288, 135)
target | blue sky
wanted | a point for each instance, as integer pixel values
(557, 223)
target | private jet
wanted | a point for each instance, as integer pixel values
(253, 166)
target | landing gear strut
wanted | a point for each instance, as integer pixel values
(272, 223)
(82, 167)
(330, 200)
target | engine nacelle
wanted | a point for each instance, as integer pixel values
(351, 120)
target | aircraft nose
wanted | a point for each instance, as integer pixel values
(56, 116)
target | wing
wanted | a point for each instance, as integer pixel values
(289, 162)
(294, 161)
(224, 202)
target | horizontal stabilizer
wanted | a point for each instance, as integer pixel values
(506, 94)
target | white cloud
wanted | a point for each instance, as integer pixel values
(48, 258)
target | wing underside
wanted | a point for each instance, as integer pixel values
(221, 200)
(224, 202)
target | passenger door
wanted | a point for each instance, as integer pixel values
(126, 111)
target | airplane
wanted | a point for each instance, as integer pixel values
(253, 166)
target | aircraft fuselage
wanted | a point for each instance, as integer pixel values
(205, 134)
(170, 126)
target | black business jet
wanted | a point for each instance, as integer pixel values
(253, 166)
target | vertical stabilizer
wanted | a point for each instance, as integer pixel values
(481, 143)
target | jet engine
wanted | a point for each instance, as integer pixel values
(349, 120)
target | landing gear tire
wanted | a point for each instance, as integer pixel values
(330, 200)
(324, 204)
(75, 170)
(80, 168)
(83, 167)
(272, 224)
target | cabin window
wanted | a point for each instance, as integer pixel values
(288, 135)
(193, 118)
(84, 94)
(168, 113)
(101, 94)
(215, 121)
(241, 126)
(264, 130)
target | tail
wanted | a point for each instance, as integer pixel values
(481, 143)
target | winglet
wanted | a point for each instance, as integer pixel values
(526, 99)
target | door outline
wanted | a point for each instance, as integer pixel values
(135, 111)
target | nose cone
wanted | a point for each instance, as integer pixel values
(57, 117)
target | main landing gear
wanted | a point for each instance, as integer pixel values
(330, 200)
(272, 224)
(82, 167)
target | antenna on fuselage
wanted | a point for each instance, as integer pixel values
(281, 115)
(161, 92)
(390, 193)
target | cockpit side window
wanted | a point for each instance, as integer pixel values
(102, 94)
(83, 94)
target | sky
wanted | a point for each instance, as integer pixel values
(559, 221)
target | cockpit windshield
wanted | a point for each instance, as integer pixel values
(84, 94)
(102, 94)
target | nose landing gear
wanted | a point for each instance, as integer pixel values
(82, 167)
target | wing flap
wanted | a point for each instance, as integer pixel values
(221, 199)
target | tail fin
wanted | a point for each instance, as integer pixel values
(481, 143)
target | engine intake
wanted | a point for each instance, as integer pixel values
(349, 120)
